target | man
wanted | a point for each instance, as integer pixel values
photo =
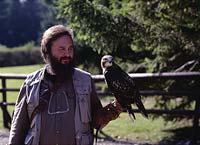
(58, 105)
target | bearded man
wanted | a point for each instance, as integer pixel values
(58, 104)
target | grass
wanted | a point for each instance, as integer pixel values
(16, 83)
(20, 69)
(145, 130)
(140, 130)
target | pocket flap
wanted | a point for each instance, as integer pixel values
(28, 139)
(87, 139)
(82, 90)
(84, 109)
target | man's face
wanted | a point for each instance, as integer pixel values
(62, 50)
(61, 57)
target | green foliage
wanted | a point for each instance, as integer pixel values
(102, 29)
(22, 22)
(87, 59)
(24, 55)
(20, 70)
(152, 36)
(162, 35)
(173, 28)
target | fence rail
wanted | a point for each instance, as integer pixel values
(140, 77)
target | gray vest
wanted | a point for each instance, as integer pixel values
(82, 87)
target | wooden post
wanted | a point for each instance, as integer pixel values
(196, 132)
(6, 116)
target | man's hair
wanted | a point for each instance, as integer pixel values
(50, 35)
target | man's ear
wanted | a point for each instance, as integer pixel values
(47, 59)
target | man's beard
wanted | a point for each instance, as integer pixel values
(62, 71)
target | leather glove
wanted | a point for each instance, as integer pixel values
(108, 113)
(113, 110)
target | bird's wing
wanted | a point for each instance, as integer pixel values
(126, 77)
(120, 87)
(124, 88)
(120, 83)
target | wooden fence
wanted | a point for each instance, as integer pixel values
(140, 78)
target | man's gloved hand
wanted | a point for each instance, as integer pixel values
(113, 110)
(108, 113)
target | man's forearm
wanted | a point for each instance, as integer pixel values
(106, 114)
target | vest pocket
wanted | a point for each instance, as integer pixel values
(84, 108)
(87, 139)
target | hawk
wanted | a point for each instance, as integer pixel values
(122, 86)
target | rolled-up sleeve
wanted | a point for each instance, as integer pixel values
(103, 115)
(95, 106)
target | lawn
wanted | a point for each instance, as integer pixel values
(16, 83)
(142, 129)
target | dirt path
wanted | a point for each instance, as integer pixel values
(4, 134)
(4, 137)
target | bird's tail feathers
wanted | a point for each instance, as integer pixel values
(131, 113)
(141, 108)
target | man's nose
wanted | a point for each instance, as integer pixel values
(67, 52)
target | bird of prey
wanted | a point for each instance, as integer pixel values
(122, 86)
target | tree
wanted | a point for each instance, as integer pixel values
(22, 21)
(4, 12)
(161, 34)
(174, 28)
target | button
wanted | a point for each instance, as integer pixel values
(57, 131)
(82, 100)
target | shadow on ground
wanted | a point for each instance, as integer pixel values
(115, 141)
(180, 136)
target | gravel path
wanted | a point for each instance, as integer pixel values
(5, 134)
(4, 137)
(106, 141)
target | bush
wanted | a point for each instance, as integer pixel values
(23, 55)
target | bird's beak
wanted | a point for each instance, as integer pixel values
(111, 61)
